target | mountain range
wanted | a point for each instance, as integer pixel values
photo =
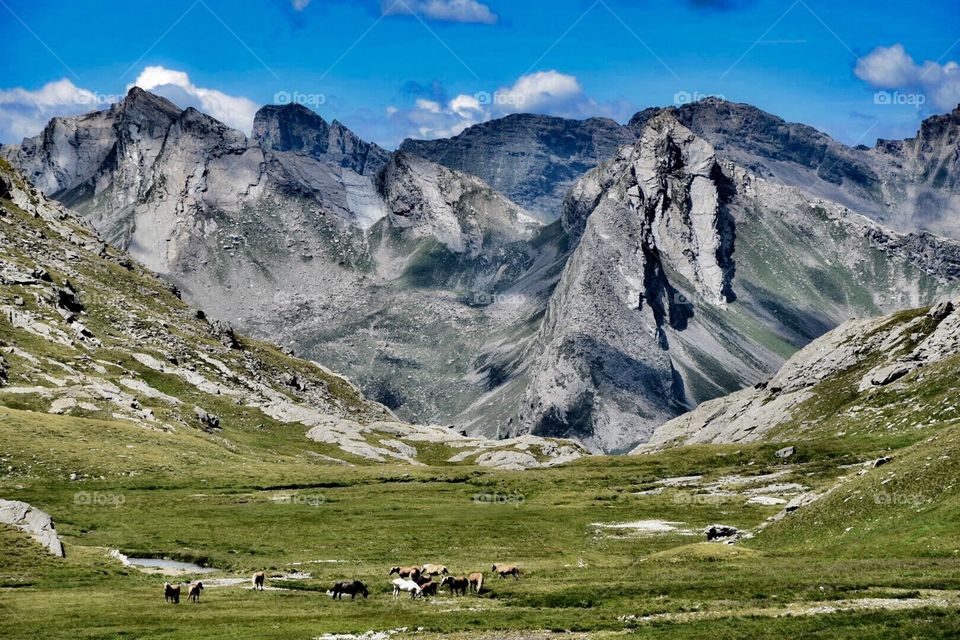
(565, 278)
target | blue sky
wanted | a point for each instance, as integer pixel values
(424, 68)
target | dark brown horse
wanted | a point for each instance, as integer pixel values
(458, 584)
(351, 588)
(193, 593)
(171, 593)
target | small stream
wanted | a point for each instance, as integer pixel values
(169, 565)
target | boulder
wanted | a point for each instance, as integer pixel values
(786, 452)
(511, 460)
(224, 333)
(34, 522)
(721, 532)
(209, 421)
(886, 375)
(941, 310)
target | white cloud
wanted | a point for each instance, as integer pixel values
(25, 113)
(893, 68)
(299, 5)
(546, 92)
(442, 10)
(235, 111)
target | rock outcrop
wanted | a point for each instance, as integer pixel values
(30, 520)
(427, 200)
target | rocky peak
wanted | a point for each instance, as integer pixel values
(144, 107)
(459, 210)
(532, 159)
(295, 128)
(291, 127)
(672, 180)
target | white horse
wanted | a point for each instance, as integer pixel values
(402, 584)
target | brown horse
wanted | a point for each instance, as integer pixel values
(457, 584)
(476, 582)
(351, 588)
(171, 593)
(504, 570)
(194, 592)
(429, 588)
(411, 573)
(258, 579)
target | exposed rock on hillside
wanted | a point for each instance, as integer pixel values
(32, 521)
(874, 354)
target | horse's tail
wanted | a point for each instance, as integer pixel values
(480, 584)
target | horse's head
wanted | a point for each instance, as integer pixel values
(394, 570)
(493, 568)
(363, 589)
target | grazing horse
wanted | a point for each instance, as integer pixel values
(351, 588)
(258, 579)
(411, 573)
(457, 584)
(429, 588)
(194, 592)
(433, 570)
(402, 584)
(476, 582)
(171, 593)
(504, 570)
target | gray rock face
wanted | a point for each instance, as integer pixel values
(532, 159)
(910, 185)
(604, 360)
(427, 200)
(32, 521)
(296, 128)
(678, 248)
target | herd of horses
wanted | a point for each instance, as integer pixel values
(418, 581)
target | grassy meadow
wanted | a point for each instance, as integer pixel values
(331, 523)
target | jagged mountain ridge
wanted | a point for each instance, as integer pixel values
(421, 279)
(668, 298)
(91, 336)
(532, 159)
